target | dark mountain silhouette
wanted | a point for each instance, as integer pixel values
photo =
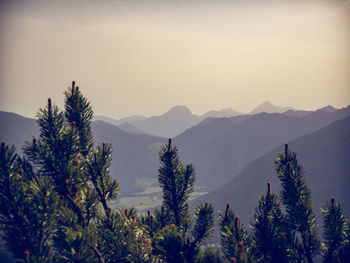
(324, 156)
(169, 124)
(135, 156)
(179, 118)
(296, 113)
(221, 148)
(267, 107)
(15, 129)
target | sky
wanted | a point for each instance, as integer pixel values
(141, 57)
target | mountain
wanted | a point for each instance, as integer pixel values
(329, 108)
(269, 108)
(135, 156)
(15, 129)
(107, 119)
(296, 113)
(220, 148)
(324, 157)
(228, 112)
(173, 122)
(119, 122)
(179, 118)
(127, 127)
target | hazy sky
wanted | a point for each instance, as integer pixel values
(142, 57)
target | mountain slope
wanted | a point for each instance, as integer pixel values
(173, 122)
(324, 156)
(221, 148)
(118, 122)
(15, 129)
(127, 127)
(135, 156)
(169, 124)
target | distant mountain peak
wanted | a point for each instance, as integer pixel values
(266, 103)
(268, 107)
(179, 110)
(329, 108)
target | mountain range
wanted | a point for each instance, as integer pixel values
(171, 123)
(135, 156)
(180, 118)
(219, 148)
(270, 108)
(324, 157)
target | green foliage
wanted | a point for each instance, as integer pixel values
(79, 112)
(72, 241)
(204, 222)
(296, 197)
(270, 234)
(169, 243)
(234, 236)
(54, 206)
(162, 218)
(26, 208)
(177, 182)
(99, 163)
(209, 255)
(53, 212)
(336, 247)
(121, 238)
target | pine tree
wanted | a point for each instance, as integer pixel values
(106, 188)
(177, 182)
(269, 231)
(122, 238)
(168, 245)
(171, 226)
(235, 241)
(27, 205)
(336, 247)
(58, 210)
(209, 255)
(79, 111)
(60, 155)
(296, 197)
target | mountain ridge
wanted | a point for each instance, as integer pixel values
(219, 148)
(224, 146)
(179, 118)
(322, 153)
(268, 107)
